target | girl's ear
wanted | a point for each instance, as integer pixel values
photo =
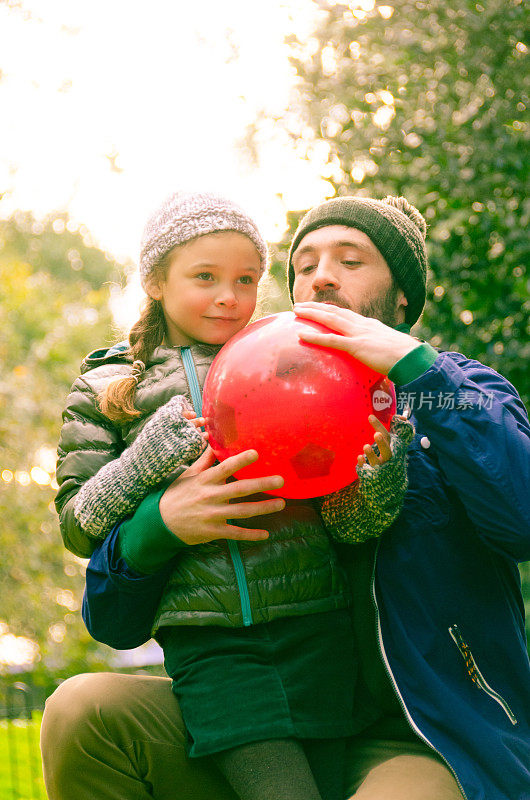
(153, 288)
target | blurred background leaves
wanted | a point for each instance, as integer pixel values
(425, 99)
(55, 291)
(430, 100)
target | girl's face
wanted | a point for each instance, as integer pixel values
(209, 291)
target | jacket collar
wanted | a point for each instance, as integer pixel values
(119, 354)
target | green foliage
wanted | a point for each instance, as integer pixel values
(429, 99)
(54, 308)
(432, 103)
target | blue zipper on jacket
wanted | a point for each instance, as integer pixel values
(386, 662)
(193, 381)
(233, 548)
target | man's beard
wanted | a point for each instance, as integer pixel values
(384, 307)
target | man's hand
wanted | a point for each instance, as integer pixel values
(196, 506)
(370, 341)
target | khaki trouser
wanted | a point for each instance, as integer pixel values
(121, 737)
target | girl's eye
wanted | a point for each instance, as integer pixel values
(247, 279)
(205, 276)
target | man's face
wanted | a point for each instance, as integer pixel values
(342, 266)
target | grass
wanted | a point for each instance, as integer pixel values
(20, 764)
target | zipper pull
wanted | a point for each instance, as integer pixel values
(476, 675)
(465, 651)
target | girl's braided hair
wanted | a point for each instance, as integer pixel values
(116, 401)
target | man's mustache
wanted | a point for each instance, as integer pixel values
(330, 296)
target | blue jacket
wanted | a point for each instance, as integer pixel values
(446, 583)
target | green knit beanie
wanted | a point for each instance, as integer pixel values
(395, 227)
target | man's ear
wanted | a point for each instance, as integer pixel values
(402, 300)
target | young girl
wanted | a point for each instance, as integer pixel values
(256, 635)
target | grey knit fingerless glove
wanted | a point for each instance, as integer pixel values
(364, 509)
(167, 441)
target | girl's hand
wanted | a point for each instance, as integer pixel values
(368, 506)
(198, 422)
(190, 415)
(382, 440)
(166, 441)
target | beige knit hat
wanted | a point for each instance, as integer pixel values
(186, 215)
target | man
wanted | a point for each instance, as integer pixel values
(437, 610)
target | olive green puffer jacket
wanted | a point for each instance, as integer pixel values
(89, 440)
(295, 571)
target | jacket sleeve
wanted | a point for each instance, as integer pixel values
(168, 442)
(119, 604)
(478, 430)
(87, 442)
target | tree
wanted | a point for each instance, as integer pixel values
(54, 308)
(430, 99)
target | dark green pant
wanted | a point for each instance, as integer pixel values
(121, 737)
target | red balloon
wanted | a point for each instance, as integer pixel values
(303, 407)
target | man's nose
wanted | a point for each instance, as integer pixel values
(325, 276)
